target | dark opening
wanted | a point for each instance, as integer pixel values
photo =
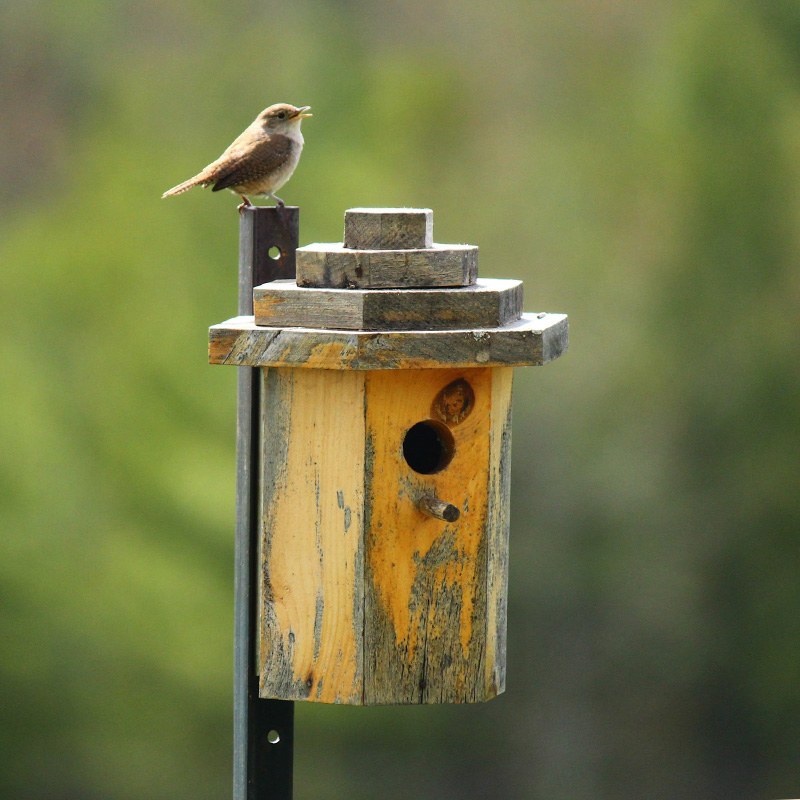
(428, 447)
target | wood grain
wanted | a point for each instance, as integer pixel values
(426, 613)
(335, 267)
(311, 611)
(489, 303)
(388, 228)
(365, 598)
(497, 526)
(530, 341)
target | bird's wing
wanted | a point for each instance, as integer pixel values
(266, 157)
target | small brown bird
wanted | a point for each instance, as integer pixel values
(260, 160)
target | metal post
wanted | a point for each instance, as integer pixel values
(263, 730)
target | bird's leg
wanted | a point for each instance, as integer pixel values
(244, 204)
(277, 200)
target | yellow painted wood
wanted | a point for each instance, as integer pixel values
(426, 579)
(312, 535)
(365, 598)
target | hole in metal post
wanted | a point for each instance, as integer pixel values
(273, 737)
(428, 447)
(274, 253)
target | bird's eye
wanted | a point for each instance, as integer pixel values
(281, 115)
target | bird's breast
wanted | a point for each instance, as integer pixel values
(281, 169)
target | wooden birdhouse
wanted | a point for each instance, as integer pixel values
(386, 381)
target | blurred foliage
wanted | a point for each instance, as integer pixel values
(636, 163)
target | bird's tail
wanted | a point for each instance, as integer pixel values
(199, 180)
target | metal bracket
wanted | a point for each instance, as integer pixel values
(263, 730)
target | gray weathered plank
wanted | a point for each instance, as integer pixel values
(489, 303)
(532, 340)
(333, 266)
(388, 228)
(497, 524)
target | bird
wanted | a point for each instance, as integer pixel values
(260, 160)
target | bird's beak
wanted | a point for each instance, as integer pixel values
(300, 113)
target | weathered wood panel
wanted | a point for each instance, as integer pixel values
(335, 267)
(497, 524)
(532, 340)
(427, 580)
(366, 598)
(489, 303)
(312, 536)
(388, 228)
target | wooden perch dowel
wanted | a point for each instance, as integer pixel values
(434, 507)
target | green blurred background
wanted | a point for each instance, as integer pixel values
(637, 163)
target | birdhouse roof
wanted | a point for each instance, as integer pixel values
(530, 340)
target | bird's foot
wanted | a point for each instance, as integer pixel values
(244, 204)
(278, 202)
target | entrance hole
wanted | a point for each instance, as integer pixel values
(428, 447)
